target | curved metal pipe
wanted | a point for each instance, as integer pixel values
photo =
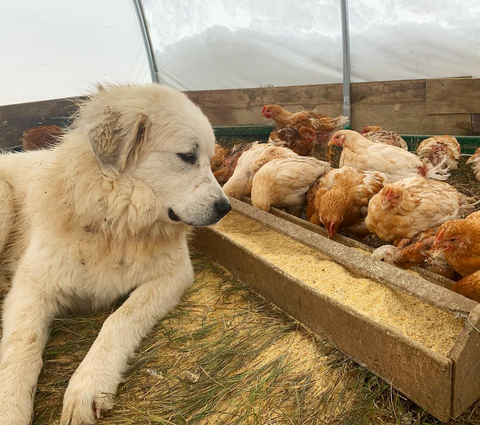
(147, 40)
(347, 108)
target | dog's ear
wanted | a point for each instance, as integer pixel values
(114, 145)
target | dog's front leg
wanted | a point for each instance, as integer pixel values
(26, 318)
(94, 384)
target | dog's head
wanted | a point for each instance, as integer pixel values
(156, 135)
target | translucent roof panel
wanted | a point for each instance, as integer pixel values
(53, 49)
(219, 44)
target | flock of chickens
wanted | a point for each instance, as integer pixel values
(379, 188)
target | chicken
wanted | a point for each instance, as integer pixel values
(218, 158)
(41, 137)
(395, 163)
(440, 150)
(473, 216)
(240, 184)
(341, 200)
(459, 240)
(413, 205)
(283, 183)
(416, 252)
(378, 135)
(301, 141)
(474, 161)
(223, 174)
(323, 125)
(469, 286)
(310, 199)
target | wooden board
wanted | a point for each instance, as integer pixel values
(453, 96)
(409, 118)
(420, 373)
(466, 357)
(395, 105)
(15, 119)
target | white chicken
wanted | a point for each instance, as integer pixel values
(440, 150)
(283, 183)
(240, 184)
(395, 163)
(413, 205)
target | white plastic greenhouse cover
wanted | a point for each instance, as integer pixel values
(52, 49)
(219, 44)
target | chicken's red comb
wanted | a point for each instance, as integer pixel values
(263, 110)
(330, 229)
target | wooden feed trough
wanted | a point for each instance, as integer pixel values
(417, 335)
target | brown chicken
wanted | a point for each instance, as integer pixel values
(240, 184)
(473, 216)
(474, 161)
(378, 135)
(413, 205)
(395, 163)
(342, 197)
(323, 125)
(41, 137)
(416, 252)
(459, 240)
(440, 150)
(469, 286)
(218, 158)
(300, 140)
(223, 174)
(282, 183)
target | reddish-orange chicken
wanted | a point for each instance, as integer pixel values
(300, 140)
(342, 197)
(230, 162)
(323, 125)
(416, 252)
(469, 286)
(218, 158)
(41, 137)
(459, 240)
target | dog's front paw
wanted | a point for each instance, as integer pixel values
(85, 401)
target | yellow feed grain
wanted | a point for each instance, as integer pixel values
(428, 325)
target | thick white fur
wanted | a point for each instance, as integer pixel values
(84, 229)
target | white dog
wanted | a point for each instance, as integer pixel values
(104, 213)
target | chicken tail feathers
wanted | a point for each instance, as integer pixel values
(340, 121)
(437, 172)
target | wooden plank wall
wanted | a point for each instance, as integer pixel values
(435, 106)
(15, 119)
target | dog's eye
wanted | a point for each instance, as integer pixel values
(188, 157)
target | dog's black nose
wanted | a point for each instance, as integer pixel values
(223, 207)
